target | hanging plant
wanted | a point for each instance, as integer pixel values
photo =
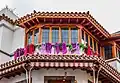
(48, 47)
(70, 46)
(82, 46)
(64, 48)
(57, 48)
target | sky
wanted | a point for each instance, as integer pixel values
(106, 12)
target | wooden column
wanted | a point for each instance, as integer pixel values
(40, 36)
(97, 47)
(69, 36)
(88, 40)
(50, 35)
(79, 33)
(102, 51)
(25, 38)
(114, 50)
(60, 38)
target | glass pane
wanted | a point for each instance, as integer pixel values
(55, 33)
(95, 45)
(91, 42)
(74, 35)
(82, 34)
(98, 48)
(29, 37)
(108, 52)
(36, 36)
(65, 35)
(87, 39)
(45, 35)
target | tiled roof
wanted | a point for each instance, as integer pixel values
(60, 15)
(40, 60)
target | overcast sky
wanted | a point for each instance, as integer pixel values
(106, 12)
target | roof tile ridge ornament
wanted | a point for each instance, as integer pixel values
(6, 18)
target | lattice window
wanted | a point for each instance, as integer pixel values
(108, 52)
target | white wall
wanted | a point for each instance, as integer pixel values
(18, 39)
(38, 75)
(1, 30)
(4, 58)
(6, 41)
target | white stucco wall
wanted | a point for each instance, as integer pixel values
(18, 39)
(4, 58)
(38, 75)
(1, 30)
(6, 41)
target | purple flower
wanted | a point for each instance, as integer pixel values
(48, 47)
(57, 48)
(74, 45)
(64, 48)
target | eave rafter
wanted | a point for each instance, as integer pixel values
(84, 19)
(82, 23)
(88, 23)
(94, 30)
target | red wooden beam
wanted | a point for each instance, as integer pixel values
(83, 21)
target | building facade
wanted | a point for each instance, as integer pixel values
(55, 47)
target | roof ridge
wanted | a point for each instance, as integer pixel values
(6, 18)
